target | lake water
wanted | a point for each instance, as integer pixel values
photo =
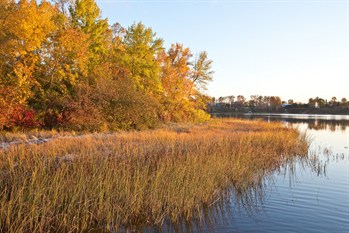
(307, 195)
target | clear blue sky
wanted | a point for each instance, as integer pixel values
(290, 48)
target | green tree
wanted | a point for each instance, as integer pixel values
(141, 50)
(85, 15)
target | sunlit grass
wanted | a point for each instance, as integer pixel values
(136, 178)
(6, 136)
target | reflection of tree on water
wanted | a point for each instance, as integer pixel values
(328, 125)
(313, 123)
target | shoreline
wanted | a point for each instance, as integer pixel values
(276, 113)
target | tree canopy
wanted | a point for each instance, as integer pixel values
(63, 66)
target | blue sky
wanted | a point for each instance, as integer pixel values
(289, 48)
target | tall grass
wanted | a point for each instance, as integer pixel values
(136, 178)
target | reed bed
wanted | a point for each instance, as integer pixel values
(131, 179)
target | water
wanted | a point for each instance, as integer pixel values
(306, 195)
(309, 196)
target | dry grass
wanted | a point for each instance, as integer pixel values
(135, 178)
(6, 136)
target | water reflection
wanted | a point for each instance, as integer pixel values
(314, 122)
(250, 201)
(318, 205)
(305, 193)
(221, 212)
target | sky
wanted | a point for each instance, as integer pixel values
(295, 49)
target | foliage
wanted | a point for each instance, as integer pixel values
(141, 48)
(182, 79)
(176, 83)
(23, 118)
(85, 15)
(63, 61)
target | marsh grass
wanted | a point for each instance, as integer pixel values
(132, 179)
(7, 136)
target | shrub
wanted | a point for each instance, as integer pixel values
(23, 118)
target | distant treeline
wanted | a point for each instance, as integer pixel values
(258, 103)
(63, 66)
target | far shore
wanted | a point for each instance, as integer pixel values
(313, 111)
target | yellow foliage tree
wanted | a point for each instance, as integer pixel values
(27, 28)
(141, 49)
(176, 85)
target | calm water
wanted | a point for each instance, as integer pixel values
(307, 195)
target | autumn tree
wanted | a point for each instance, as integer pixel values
(63, 70)
(141, 50)
(74, 51)
(122, 104)
(62, 65)
(183, 81)
(25, 31)
(275, 102)
(26, 27)
(176, 82)
(85, 15)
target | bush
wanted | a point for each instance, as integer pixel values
(24, 118)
